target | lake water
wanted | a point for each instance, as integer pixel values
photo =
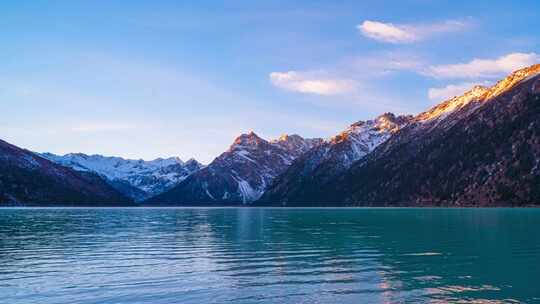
(244, 255)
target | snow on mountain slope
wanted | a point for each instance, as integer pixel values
(27, 178)
(442, 110)
(333, 157)
(461, 106)
(129, 176)
(242, 173)
(363, 137)
(481, 149)
(484, 153)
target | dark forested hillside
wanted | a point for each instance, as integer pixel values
(479, 149)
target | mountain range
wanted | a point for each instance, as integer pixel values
(241, 174)
(481, 149)
(137, 179)
(333, 157)
(29, 179)
(478, 149)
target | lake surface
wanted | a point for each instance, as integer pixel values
(245, 255)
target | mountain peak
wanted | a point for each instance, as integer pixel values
(513, 79)
(295, 143)
(384, 122)
(478, 93)
(480, 148)
(147, 177)
(249, 135)
(287, 137)
(372, 132)
(386, 116)
(528, 71)
(242, 173)
(390, 122)
(192, 161)
(447, 107)
(249, 139)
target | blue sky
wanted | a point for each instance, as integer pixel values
(147, 79)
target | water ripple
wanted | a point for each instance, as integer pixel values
(199, 255)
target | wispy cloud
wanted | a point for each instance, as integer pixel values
(100, 127)
(452, 90)
(311, 83)
(387, 32)
(407, 33)
(382, 63)
(484, 68)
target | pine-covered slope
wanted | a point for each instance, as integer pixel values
(137, 179)
(241, 174)
(480, 149)
(332, 158)
(28, 179)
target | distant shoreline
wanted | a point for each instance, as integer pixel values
(215, 206)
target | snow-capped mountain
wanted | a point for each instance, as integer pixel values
(459, 107)
(242, 173)
(138, 179)
(333, 157)
(27, 178)
(362, 137)
(482, 148)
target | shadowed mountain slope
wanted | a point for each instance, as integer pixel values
(481, 149)
(28, 179)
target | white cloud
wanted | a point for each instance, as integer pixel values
(382, 63)
(484, 68)
(387, 32)
(311, 83)
(452, 90)
(98, 127)
(407, 33)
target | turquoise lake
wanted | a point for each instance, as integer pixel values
(251, 255)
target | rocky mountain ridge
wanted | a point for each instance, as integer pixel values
(241, 174)
(481, 149)
(333, 157)
(138, 179)
(29, 179)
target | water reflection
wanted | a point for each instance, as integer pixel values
(269, 255)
